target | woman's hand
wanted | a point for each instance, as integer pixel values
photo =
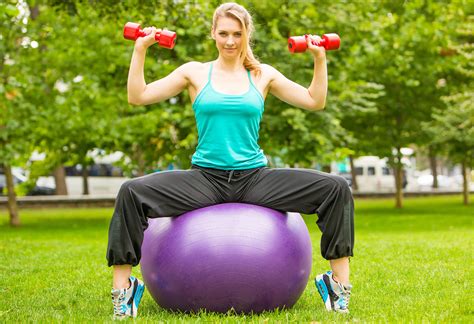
(144, 42)
(316, 51)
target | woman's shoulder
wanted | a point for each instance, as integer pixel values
(267, 70)
(194, 66)
(195, 72)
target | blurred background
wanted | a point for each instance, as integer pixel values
(399, 115)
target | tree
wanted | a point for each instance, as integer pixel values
(73, 83)
(15, 125)
(297, 136)
(452, 127)
(76, 89)
(401, 51)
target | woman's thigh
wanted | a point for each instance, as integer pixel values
(290, 189)
(172, 193)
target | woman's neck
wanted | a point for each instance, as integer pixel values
(227, 65)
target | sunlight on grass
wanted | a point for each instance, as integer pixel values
(413, 264)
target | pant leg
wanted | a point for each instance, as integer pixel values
(162, 194)
(309, 191)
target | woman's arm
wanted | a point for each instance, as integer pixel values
(140, 93)
(311, 98)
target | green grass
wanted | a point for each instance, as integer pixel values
(410, 265)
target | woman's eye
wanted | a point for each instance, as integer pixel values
(223, 34)
(238, 35)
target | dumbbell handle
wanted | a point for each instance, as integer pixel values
(298, 44)
(165, 38)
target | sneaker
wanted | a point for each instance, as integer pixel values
(126, 301)
(334, 294)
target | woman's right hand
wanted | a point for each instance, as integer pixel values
(144, 42)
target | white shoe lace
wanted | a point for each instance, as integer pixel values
(345, 296)
(118, 303)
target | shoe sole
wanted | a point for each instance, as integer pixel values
(323, 292)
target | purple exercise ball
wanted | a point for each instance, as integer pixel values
(225, 256)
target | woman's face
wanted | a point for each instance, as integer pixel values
(228, 36)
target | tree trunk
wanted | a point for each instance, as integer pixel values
(141, 165)
(355, 187)
(12, 205)
(85, 182)
(434, 167)
(398, 180)
(60, 180)
(326, 168)
(465, 183)
(138, 156)
(398, 183)
(34, 11)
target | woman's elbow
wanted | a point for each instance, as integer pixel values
(134, 101)
(319, 106)
(316, 102)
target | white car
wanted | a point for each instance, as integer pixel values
(18, 177)
(425, 181)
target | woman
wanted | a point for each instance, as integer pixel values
(228, 166)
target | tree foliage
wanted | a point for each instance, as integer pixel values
(452, 125)
(64, 67)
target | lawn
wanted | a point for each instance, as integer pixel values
(410, 265)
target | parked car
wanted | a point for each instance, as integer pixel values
(425, 181)
(373, 174)
(18, 178)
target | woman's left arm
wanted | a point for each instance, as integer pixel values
(311, 98)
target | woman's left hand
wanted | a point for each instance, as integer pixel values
(315, 50)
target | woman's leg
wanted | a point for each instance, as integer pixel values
(163, 194)
(121, 275)
(340, 270)
(310, 191)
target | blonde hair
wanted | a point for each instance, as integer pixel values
(236, 11)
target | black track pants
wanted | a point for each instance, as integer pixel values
(172, 193)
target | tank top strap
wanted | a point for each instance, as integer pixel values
(252, 85)
(210, 73)
(250, 77)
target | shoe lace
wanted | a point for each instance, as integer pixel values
(119, 309)
(345, 296)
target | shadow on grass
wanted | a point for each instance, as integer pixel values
(149, 310)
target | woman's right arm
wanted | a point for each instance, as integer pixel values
(140, 93)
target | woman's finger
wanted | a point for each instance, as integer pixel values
(314, 39)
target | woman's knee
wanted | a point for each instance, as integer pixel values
(341, 183)
(129, 185)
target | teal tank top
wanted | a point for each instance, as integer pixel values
(228, 128)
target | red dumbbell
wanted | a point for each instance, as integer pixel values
(298, 44)
(165, 38)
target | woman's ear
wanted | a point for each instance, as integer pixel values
(212, 34)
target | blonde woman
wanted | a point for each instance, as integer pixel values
(228, 96)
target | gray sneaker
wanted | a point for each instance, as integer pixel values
(334, 294)
(126, 301)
